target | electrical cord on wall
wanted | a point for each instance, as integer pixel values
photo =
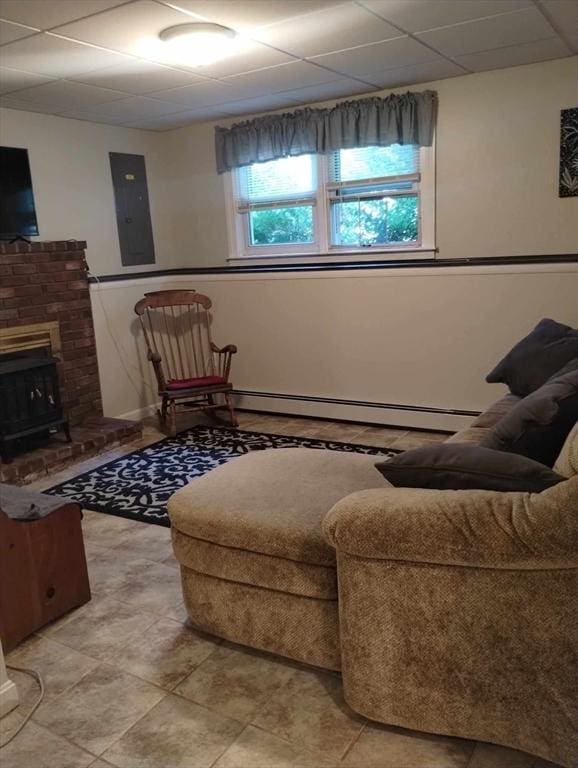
(117, 344)
(32, 673)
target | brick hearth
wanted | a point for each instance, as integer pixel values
(46, 282)
(46, 457)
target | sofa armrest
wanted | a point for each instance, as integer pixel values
(484, 529)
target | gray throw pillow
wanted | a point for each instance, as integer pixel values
(571, 365)
(458, 466)
(535, 358)
(539, 424)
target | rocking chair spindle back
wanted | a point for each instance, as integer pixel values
(188, 366)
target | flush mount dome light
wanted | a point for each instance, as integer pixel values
(199, 43)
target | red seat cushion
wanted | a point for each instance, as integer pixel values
(202, 381)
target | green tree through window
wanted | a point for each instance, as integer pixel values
(275, 226)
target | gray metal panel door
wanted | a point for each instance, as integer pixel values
(135, 232)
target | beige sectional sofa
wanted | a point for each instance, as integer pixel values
(446, 611)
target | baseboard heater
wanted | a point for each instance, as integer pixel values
(390, 414)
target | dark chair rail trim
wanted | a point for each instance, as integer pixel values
(559, 258)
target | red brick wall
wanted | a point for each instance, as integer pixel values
(43, 282)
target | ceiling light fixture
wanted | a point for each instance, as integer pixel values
(199, 43)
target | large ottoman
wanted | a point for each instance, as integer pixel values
(255, 567)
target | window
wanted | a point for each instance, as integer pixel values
(373, 196)
(368, 200)
(277, 199)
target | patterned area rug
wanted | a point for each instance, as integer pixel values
(138, 485)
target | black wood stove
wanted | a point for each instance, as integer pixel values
(29, 400)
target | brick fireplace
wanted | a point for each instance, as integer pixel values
(45, 304)
(45, 284)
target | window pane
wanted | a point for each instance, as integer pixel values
(278, 226)
(289, 177)
(376, 222)
(374, 162)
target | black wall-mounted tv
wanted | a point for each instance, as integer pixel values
(17, 211)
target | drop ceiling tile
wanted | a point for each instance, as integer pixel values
(259, 104)
(246, 56)
(150, 125)
(337, 89)
(400, 52)
(243, 15)
(10, 32)
(131, 28)
(512, 56)
(134, 29)
(205, 113)
(418, 73)
(344, 26)
(492, 32)
(136, 107)
(419, 15)
(282, 78)
(45, 14)
(14, 80)
(137, 77)
(52, 56)
(90, 116)
(564, 13)
(69, 95)
(205, 94)
(12, 102)
(170, 122)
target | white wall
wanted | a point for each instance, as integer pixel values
(498, 140)
(421, 337)
(497, 174)
(72, 183)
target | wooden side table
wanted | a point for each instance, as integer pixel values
(43, 570)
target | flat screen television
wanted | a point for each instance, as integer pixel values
(17, 211)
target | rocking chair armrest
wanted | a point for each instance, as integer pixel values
(156, 360)
(230, 349)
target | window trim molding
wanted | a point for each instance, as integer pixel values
(321, 249)
(336, 256)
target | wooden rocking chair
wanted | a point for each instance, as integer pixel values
(190, 370)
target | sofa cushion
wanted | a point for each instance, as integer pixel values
(272, 502)
(450, 466)
(539, 424)
(202, 381)
(536, 357)
(496, 411)
(255, 568)
(272, 620)
(470, 435)
(567, 461)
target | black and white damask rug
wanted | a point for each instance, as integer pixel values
(138, 485)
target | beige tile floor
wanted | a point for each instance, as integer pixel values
(130, 684)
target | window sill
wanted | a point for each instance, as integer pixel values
(335, 257)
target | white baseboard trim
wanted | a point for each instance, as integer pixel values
(8, 697)
(410, 416)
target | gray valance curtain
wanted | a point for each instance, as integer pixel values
(407, 118)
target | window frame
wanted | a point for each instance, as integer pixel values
(321, 249)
